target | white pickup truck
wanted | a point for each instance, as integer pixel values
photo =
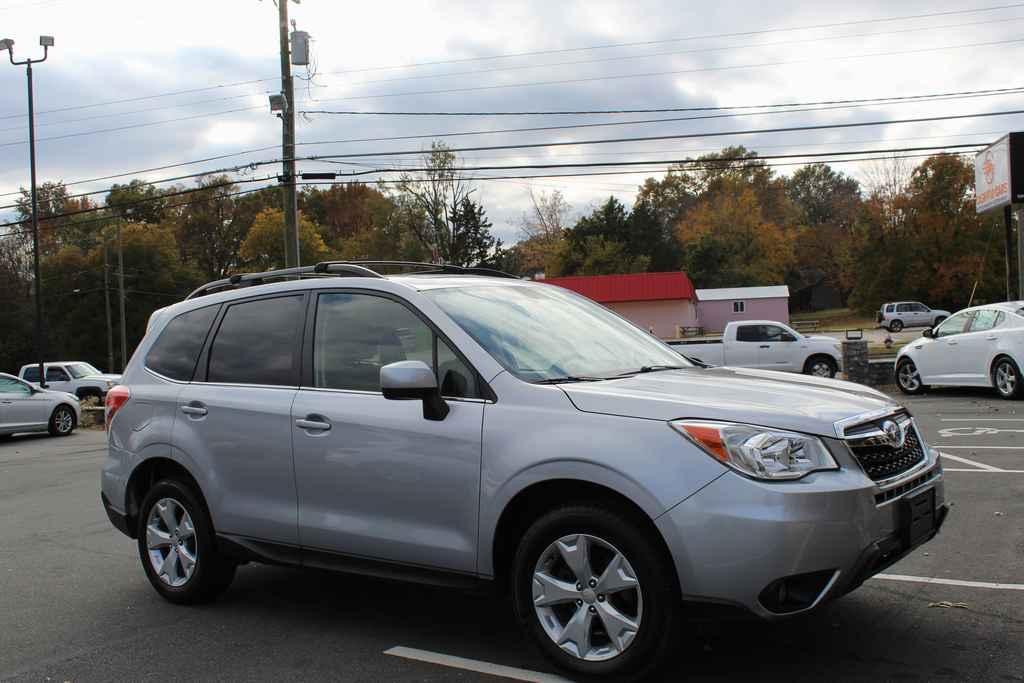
(74, 377)
(767, 345)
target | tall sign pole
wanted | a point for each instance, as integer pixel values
(999, 183)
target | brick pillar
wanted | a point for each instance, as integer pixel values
(855, 360)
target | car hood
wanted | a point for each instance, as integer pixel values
(104, 375)
(822, 338)
(762, 397)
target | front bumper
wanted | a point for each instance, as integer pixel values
(745, 543)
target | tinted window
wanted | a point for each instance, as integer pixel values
(13, 386)
(31, 374)
(357, 334)
(175, 353)
(748, 333)
(775, 333)
(985, 319)
(920, 308)
(258, 343)
(56, 375)
(955, 325)
(902, 308)
(889, 308)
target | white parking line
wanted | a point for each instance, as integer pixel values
(950, 582)
(473, 665)
(974, 463)
(983, 419)
(971, 469)
(982, 448)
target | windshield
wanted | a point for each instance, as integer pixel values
(545, 333)
(79, 370)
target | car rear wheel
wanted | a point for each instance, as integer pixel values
(1006, 378)
(939, 320)
(62, 421)
(596, 592)
(177, 545)
(908, 379)
(820, 366)
(895, 325)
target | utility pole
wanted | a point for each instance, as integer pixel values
(290, 203)
(106, 305)
(8, 44)
(120, 287)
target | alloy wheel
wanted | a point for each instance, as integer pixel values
(1006, 378)
(171, 542)
(821, 369)
(908, 377)
(64, 421)
(587, 597)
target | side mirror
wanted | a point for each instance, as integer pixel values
(929, 332)
(412, 380)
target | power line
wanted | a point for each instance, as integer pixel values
(675, 53)
(568, 81)
(921, 97)
(179, 119)
(737, 34)
(663, 110)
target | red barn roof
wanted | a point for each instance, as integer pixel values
(607, 289)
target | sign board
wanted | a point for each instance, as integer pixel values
(999, 173)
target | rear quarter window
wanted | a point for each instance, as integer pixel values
(176, 351)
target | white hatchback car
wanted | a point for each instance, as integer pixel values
(981, 346)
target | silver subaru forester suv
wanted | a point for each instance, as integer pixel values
(457, 426)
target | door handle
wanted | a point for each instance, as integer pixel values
(313, 423)
(6, 403)
(992, 338)
(765, 346)
(952, 343)
(198, 411)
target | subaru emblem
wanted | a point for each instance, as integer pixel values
(893, 433)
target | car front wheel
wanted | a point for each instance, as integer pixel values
(595, 591)
(177, 545)
(820, 366)
(1006, 378)
(908, 379)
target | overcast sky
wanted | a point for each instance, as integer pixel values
(119, 50)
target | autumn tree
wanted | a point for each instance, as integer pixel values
(542, 231)
(208, 236)
(263, 248)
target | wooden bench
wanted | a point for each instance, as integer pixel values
(803, 325)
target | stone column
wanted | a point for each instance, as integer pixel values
(855, 360)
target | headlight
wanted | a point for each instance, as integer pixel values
(769, 454)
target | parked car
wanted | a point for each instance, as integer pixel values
(897, 315)
(977, 347)
(767, 345)
(25, 408)
(75, 377)
(454, 427)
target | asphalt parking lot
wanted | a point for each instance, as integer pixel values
(75, 605)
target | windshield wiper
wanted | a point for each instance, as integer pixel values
(651, 368)
(567, 379)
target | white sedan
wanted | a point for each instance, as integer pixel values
(24, 408)
(977, 347)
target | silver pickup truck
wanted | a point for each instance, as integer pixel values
(767, 345)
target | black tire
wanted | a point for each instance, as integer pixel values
(895, 325)
(814, 363)
(1008, 390)
(906, 371)
(213, 572)
(62, 421)
(939, 320)
(659, 591)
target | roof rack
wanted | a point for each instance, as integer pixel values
(339, 269)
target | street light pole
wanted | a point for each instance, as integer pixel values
(46, 42)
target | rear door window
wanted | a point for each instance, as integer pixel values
(31, 374)
(56, 375)
(257, 342)
(176, 351)
(748, 333)
(903, 308)
(985, 319)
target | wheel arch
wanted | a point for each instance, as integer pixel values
(824, 355)
(998, 356)
(539, 497)
(147, 473)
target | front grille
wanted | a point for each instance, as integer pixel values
(881, 461)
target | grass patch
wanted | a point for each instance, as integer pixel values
(836, 319)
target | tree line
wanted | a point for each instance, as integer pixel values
(727, 219)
